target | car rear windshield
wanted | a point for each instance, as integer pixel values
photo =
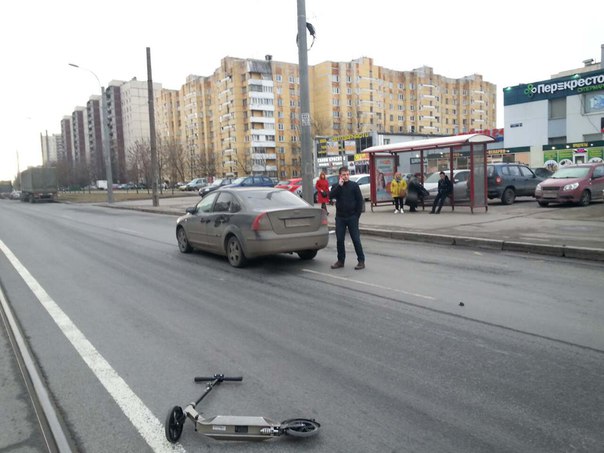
(571, 172)
(273, 199)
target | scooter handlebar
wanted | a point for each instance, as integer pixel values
(219, 378)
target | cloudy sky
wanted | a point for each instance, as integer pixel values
(508, 43)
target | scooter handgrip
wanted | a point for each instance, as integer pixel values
(219, 377)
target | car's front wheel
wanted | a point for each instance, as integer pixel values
(585, 198)
(235, 253)
(183, 242)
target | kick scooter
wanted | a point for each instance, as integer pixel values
(233, 427)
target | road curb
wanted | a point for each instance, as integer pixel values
(584, 253)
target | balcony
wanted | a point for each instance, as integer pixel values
(263, 144)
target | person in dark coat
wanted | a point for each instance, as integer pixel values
(349, 206)
(415, 192)
(322, 187)
(444, 190)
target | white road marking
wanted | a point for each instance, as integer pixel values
(126, 230)
(373, 285)
(149, 427)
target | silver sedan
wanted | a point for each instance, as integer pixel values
(243, 223)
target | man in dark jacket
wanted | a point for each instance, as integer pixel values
(445, 188)
(349, 205)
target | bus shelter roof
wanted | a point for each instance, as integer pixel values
(430, 143)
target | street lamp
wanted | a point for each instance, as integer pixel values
(105, 125)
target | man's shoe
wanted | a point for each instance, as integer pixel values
(360, 266)
(337, 265)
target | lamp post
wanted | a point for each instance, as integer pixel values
(105, 125)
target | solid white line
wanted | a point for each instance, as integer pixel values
(149, 427)
(373, 285)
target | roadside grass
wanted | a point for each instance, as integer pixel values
(100, 196)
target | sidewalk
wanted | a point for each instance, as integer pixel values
(570, 231)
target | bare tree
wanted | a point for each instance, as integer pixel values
(172, 157)
(139, 159)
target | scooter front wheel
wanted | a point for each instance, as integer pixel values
(174, 424)
(300, 427)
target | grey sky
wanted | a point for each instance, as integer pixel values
(507, 43)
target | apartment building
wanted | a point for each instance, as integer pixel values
(115, 125)
(244, 118)
(51, 146)
(134, 96)
(95, 138)
(360, 97)
(79, 125)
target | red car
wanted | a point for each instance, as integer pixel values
(294, 185)
(572, 184)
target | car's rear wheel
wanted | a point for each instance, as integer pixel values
(183, 242)
(235, 253)
(508, 196)
(307, 254)
(543, 204)
(585, 198)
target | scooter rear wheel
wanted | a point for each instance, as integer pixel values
(300, 427)
(174, 424)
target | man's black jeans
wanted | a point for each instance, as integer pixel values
(352, 223)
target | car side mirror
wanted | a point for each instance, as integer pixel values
(191, 210)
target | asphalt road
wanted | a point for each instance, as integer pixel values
(386, 359)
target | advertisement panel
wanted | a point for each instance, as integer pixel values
(384, 173)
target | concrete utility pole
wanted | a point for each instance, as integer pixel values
(307, 163)
(154, 166)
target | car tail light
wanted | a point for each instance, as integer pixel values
(498, 180)
(261, 222)
(323, 218)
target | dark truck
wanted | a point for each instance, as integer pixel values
(39, 183)
(6, 187)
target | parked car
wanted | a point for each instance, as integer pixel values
(542, 172)
(507, 181)
(252, 181)
(572, 184)
(364, 182)
(244, 223)
(195, 184)
(460, 184)
(15, 195)
(217, 183)
(294, 185)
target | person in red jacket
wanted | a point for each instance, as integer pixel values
(322, 187)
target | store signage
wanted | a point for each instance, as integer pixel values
(555, 88)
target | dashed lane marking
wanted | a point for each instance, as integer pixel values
(373, 285)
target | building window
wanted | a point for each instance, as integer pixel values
(557, 108)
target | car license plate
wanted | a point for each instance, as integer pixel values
(289, 223)
(550, 195)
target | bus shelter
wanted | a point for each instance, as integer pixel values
(471, 148)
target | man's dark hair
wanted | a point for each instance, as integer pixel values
(342, 169)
